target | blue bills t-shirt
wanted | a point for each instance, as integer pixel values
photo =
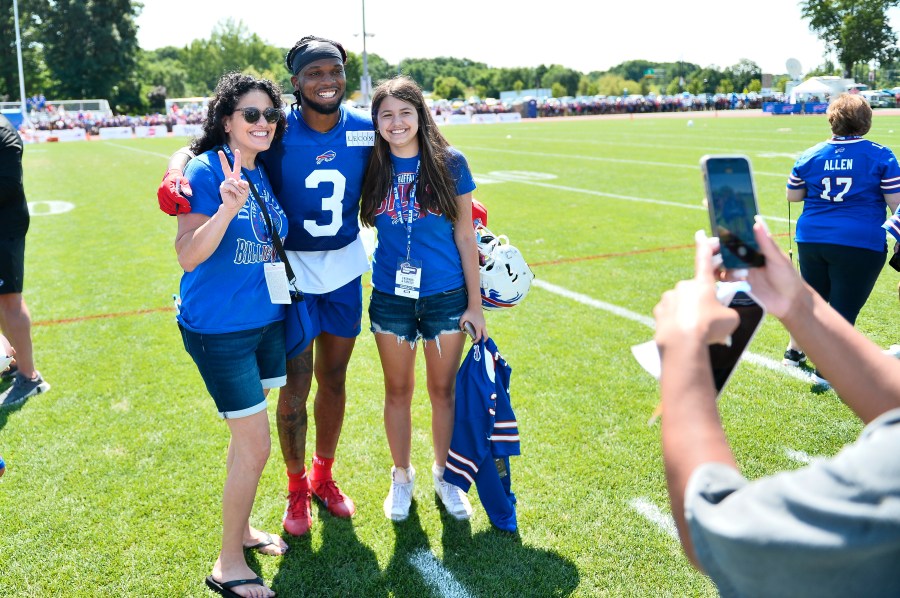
(845, 180)
(227, 292)
(431, 240)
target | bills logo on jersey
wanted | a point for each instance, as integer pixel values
(326, 157)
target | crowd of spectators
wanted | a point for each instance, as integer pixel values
(45, 116)
(632, 104)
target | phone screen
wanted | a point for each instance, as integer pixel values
(724, 358)
(732, 208)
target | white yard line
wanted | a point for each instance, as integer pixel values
(654, 515)
(798, 456)
(682, 166)
(766, 362)
(642, 505)
(140, 151)
(436, 576)
(661, 202)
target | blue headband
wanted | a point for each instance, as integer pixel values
(313, 51)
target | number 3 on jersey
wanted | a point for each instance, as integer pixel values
(332, 204)
(842, 182)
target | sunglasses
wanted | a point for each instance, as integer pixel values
(251, 115)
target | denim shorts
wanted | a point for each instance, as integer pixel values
(424, 318)
(237, 366)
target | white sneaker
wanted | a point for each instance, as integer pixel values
(396, 505)
(455, 500)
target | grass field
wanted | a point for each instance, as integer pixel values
(114, 476)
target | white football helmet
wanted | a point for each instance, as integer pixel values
(505, 277)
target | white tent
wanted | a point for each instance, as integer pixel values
(811, 87)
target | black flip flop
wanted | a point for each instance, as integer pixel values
(224, 587)
(269, 541)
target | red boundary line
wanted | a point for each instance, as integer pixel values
(123, 314)
(139, 312)
(604, 256)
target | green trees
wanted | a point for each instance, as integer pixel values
(231, 47)
(449, 88)
(32, 53)
(856, 30)
(90, 48)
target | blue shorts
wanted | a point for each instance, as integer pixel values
(424, 318)
(237, 366)
(338, 312)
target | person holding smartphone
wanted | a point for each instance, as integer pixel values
(831, 528)
(846, 184)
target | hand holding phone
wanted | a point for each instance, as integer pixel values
(731, 201)
(723, 357)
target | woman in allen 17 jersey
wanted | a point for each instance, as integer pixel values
(846, 183)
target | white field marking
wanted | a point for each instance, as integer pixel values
(798, 456)
(613, 160)
(436, 576)
(655, 515)
(140, 151)
(650, 323)
(495, 175)
(49, 208)
(589, 301)
(618, 143)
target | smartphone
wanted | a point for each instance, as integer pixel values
(731, 201)
(724, 358)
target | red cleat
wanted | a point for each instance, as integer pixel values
(337, 503)
(297, 516)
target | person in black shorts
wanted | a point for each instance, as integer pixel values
(15, 320)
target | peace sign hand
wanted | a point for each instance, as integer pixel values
(234, 190)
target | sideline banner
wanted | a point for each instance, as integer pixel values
(781, 108)
(56, 135)
(815, 108)
(186, 130)
(116, 133)
(154, 131)
(459, 119)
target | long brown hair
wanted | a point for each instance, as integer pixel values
(437, 188)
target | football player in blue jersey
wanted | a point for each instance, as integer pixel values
(316, 171)
(418, 195)
(846, 184)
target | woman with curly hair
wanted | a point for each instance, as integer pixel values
(230, 320)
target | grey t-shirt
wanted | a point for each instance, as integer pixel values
(829, 529)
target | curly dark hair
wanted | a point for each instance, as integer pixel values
(438, 189)
(229, 91)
